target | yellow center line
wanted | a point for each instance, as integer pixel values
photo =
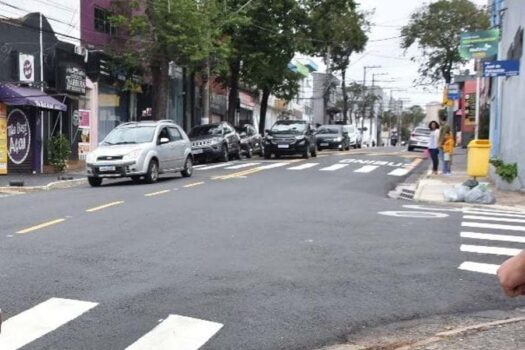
(156, 193)
(40, 226)
(112, 204)
(193, 184)
(238, 174)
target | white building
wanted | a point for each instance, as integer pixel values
(507, 103)
(432, 112)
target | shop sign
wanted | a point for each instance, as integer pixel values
(84, 146)
(72, 79)
(453, 91)
(247, 100)
(480, 44)
(3, 139)
(26, 67)
(19, 136)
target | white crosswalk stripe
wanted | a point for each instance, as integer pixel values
(40, 320)
(399, 172)
(503, 222)
(241, 166)
(334, 167)
(366, 169)
(272, 166)
(177, 332)
(304, 166)
(215, 166)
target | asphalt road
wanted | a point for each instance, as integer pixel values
(260, 256)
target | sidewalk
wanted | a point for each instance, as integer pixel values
(40, 182)
(430, 188)
(486, 330)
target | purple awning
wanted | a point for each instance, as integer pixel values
(23, 96)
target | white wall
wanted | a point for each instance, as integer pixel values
(512, 142)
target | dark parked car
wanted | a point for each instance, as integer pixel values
(289, 137)
(251, 141)
(217, 141)
(333, 137)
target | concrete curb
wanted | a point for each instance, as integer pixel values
(50, 186)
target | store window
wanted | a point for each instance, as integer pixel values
(102, 21)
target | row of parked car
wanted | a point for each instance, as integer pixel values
(144, 150)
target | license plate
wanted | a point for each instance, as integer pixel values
(107, 168)
(282, 146)
(197, 151)
(324, 144)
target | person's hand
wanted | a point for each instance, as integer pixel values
(511, 275)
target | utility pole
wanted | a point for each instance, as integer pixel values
(363, 112)
(374, 114)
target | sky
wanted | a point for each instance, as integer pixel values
(387, 19)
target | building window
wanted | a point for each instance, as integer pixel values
(102, 21)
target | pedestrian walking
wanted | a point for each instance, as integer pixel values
(448, 151)
(443, 130)
(433, 145)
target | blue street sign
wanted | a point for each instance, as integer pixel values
(508, 68)
(453, 92)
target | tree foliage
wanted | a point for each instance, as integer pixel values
(435, 28)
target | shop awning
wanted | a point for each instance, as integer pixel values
(23, 96)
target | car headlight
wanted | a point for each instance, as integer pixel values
(299, 138)
(269, 137)
(133, 155)
(91, 157)
(338, 139)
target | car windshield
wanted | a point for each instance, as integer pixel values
(288, 128)
(422, 131)
(206, 130)
(130, 135)
(329, 130)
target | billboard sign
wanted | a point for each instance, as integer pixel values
(479, 45)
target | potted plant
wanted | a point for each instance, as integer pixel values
(59, 152)
(506, 175)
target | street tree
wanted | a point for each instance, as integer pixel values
(435, 28)
(269, 45)
(161, 31)
(338, 30)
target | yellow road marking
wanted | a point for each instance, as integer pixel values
(42, 225)
(238, 174)
(112, 204)
(156, 193)
(414, 163)
(193, 184)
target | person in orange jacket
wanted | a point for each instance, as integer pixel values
(448, 151)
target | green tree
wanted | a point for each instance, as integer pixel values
(337, 30)
(436, 29)
(412, 117)
(160, 31)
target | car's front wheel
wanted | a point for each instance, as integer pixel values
(188, 168)
(225, 154)
(95, 181)
(152, 175)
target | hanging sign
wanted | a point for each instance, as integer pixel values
(480, 44)
(18, 136)
(3, 139)
(453, 91)
(26, 68)
(507, 68)
(84, 146)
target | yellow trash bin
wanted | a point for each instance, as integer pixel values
(478, 158)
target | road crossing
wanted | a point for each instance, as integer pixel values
(357, 166)
(174, 332)
(489, 235)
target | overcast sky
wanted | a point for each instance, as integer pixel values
(388, 17)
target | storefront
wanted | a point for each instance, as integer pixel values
(23, 128)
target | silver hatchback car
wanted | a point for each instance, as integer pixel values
(141, 149)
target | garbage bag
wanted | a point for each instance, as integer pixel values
(456, 194)
(480, 195)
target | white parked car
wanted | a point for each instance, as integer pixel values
(356, 139)
(141, 149)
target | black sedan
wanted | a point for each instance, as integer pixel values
(251, 141)
(332, 137)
